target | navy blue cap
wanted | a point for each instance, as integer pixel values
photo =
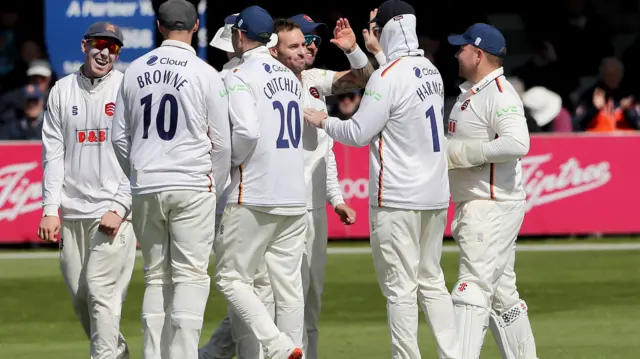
(390, 9)
(105, 29)
(307, 25)
(177, 15)
(485, 37)
(256, 23)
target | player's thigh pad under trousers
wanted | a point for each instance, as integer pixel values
(245, 235)
(471, 308)
(108, 274)
(74, 254)
(512, 332)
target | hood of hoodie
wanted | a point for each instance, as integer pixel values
(399, 38)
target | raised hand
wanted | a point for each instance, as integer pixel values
(343, 36)
(370, 39)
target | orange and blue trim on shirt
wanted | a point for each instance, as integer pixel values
(384, 72)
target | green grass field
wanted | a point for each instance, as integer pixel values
(583, 305)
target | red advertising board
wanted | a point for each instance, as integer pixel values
(576, 184)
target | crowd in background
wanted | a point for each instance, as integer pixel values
(571, 81)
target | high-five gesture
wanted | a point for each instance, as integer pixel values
(343, 36)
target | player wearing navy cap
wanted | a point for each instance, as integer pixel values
(264, 219)
(221, 344)
(82, 180)
(487, 137)
(400, 118)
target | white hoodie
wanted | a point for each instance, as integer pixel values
(401, 118)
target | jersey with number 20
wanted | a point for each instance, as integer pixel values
(175, 113)
(266, 113)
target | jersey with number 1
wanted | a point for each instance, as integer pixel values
(170, 96)
(265, 101)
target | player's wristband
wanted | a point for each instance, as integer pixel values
(381, 58)
(50, 210)
(358, 59)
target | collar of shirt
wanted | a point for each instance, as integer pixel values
(474, 89)
(233, 62)
(179, 44)
(92, 82)
(260, 51)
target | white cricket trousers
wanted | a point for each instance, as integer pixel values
(248, 237)
(97, 269)
(314, 261)
(407, 247)
(222, 344)
(485, 294)
(175, 230)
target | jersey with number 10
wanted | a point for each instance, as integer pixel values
(174, 107)
(265, 103)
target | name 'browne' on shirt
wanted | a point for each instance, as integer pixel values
(167, 76)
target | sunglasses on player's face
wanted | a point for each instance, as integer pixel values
(310, 39)
(101, 44)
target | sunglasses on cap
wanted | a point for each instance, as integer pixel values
(101, 44)
(309, 39)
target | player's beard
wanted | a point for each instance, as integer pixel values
(310, 57)
(100, 62)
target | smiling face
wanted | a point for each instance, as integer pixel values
(100, 54)
(313, 42)
(291, 50)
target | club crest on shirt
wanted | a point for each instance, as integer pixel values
(314, 92)
(110, 109)
(465, 104)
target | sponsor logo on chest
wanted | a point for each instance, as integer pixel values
(92, 131)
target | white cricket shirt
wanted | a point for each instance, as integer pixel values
(320, 169)
(265, 106)
(400, 117)
(490, 110)
(222, 197)
(82, 176)
(171, 129)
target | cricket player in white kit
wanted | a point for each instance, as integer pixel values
(221, 345)
(321, 172)
(172, 137)
(400, 117)
(488, 136)
(265, 215)
(83, 180)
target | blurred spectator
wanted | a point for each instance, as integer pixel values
(545, 107)
(29, 52)
(582, 38)
(518, 85)
(38, 74)
(608, 106)
(631, 62)
(8, 45)
(29, 125)
(347, 104)
(545, 70)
